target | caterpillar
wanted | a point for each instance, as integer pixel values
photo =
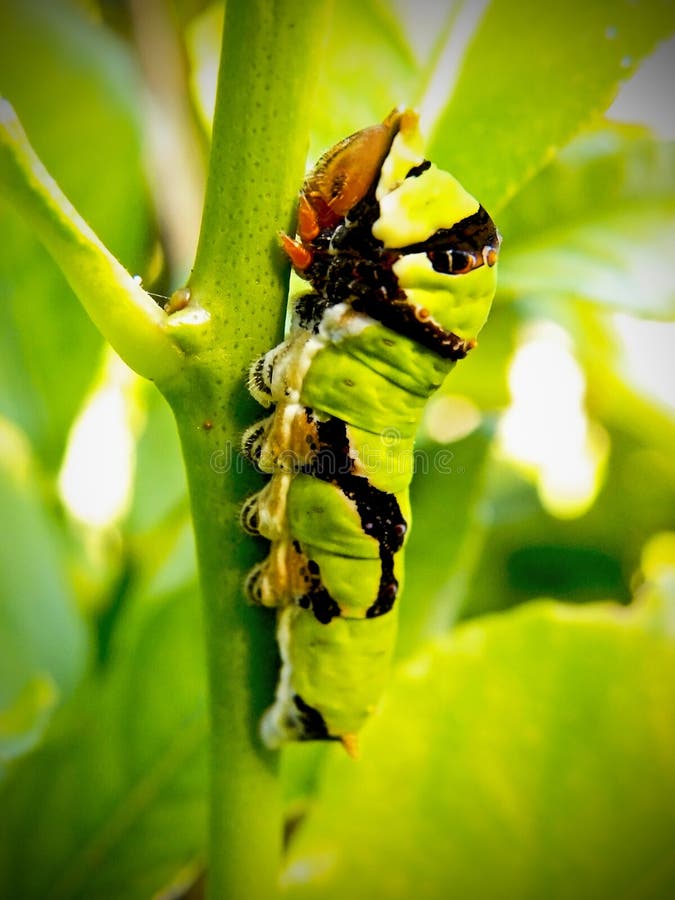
(400, 264)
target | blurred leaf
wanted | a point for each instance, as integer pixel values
(365, 36)
(56, 60)
(527, 756)
(483, 375)
(160, 486)
(597, 224)
(112, 805)
(601, 171)
(569, 572)
(529, 552)
(203, 36)
(610, 398)
(187, 10)
(23, 723)
(446, 534)
(159, 528)
(75, 90)
(301, 768)
(41, 633)
(168, 555)
(593, 556)
(531, 78)
(661, 615)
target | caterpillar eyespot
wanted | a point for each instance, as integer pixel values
(400, 264)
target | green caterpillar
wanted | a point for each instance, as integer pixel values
(400, 260)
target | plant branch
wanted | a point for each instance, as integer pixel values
(240, 280)
(122, 311)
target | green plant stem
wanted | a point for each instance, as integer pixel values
(122, 311)
(240, 279)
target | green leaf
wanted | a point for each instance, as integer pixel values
(74, 87)
(41, 633)
(527, 756)
(598, 224)
(113, 804)
(531, 78)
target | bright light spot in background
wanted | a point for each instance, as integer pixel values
(648, 357)
(546, 430)
(96, 478)
(316, 866)
(451, 417)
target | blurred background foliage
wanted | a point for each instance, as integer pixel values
(530, 751)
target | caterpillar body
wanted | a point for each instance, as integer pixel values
(400, 262)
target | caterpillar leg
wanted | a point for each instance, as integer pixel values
(259, 585)
(279, 374)
(287, 440)
(254, 444)
(280, 578)
(264, 513)
(268, 376)
(249, 516)
(261, 376)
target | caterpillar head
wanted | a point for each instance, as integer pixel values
(382, 227)
(339, 180)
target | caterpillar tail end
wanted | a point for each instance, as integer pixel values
(351, 744)
(277, 729)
